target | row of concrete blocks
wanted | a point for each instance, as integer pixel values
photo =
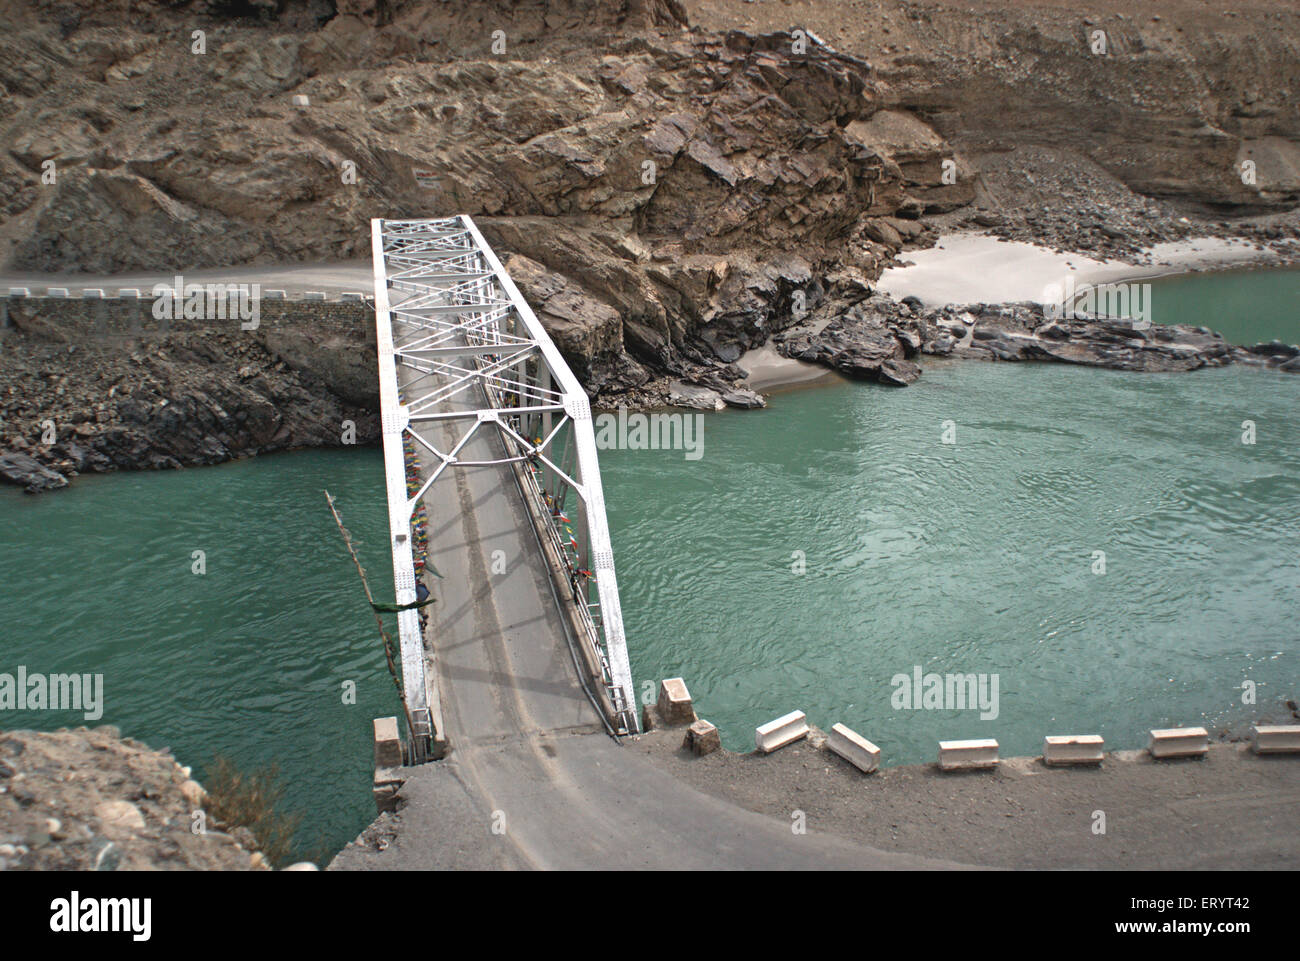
(133, 293)
(1058, 750)
(674, 706)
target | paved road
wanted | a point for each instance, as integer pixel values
(332, 278)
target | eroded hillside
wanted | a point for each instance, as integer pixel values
(668, 176)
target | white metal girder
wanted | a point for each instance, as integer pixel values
(472, 351)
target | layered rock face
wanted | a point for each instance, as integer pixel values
(678, 189)
(73, 402)
(1096, 128)
(675, 182)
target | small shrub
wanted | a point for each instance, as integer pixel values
(254, 800)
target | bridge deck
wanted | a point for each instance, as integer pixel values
(503, 663)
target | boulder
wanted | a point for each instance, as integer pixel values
(28, 472)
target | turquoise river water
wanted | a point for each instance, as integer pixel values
(973, 557)
(249, 659)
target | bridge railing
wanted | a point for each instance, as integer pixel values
(473, 355)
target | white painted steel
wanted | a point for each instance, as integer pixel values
(393, 422)
(447, 311)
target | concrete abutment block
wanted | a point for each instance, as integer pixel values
(1275, 738)
(702, 738)
(674, 704)
(1072, 749)
(388, 743)
(974, 755)
(672, 709)
(389, 757)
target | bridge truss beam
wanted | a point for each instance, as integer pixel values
(459, 345)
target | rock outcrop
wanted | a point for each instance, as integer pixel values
(875, 338)
(72, 403)
(30, 473)
(91, 800)
(1046, 102)
(679, 187)
(859, 344)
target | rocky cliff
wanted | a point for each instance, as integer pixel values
(677, 181)
(1097, 129)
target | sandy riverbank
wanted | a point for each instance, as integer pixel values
(768, 370)
(970, 268)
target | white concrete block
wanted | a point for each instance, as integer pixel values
(854, 748)
(1179, 742)
(1275, 738)
(56, 292)
(301, 100)
(353, 295)
(92, 293)
(314, 295)
(273, 295)
(784, 730)
(129, 293)
(1064, 749)
(968, 755)
(19, 292)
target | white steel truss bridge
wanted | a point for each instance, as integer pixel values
(459, 348)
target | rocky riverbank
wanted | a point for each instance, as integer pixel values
(678, 181)
(91, 800)
(76, 399)
(881, 339)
